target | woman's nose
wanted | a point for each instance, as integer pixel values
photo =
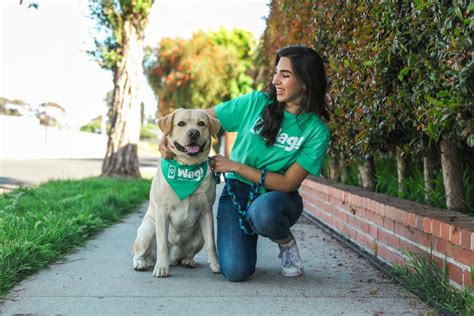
(276, 79)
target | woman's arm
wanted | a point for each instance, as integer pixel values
(288, 182)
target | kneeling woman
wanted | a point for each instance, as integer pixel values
(282, 137)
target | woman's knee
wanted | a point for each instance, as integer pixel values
(265, 212)
(236, 272)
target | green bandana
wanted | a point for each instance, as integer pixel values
(184, 180)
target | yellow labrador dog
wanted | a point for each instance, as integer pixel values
(179, 218)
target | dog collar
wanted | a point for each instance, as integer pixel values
(184, 180)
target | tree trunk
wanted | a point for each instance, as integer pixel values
(428, 172)
(122, 157)
(367, 174)
(335, 167)
(402, 171)
(452, 175)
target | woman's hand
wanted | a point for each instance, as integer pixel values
(220, 163)
(164, 150)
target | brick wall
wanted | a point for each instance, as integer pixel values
(383, 226)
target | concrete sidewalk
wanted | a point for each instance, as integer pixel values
(99, 280)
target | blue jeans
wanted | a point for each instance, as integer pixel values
(270, 215)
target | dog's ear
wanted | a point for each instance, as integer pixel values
(214, 126)
(165, 123)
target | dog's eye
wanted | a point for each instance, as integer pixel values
(181, 123)
(201, 123)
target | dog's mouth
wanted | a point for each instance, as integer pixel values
(191, 149)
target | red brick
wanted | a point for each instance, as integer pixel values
(443, 247)
(369, 216)
(456, 236)
(410, 247)
(365, 227)
(389, 224)
(373, 206)
(445, 231)
(463, 256)
(472, 241)
(373, 231)
(389, 255)
(379, 208)
(423, 239)
(378, 220)
(409, 219)
(436, 228)
(404, 230)
(467, 278)
(419, 222)
(455, 273)
(388, 239)
(466, 239)
(364, 202)
(390, 212)
(365, 241)
(427, 225)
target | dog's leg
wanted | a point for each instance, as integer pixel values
(162, 265)
(145, 234)
(207, 228)
(175, 254)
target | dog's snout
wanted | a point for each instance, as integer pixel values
(193, 133)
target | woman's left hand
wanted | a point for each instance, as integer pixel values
(220, 163)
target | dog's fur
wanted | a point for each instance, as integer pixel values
(173, 231)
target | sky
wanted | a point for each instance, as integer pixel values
(43, 51)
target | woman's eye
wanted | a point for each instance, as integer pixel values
(201, 123)
(181, 123)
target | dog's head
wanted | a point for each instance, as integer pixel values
(189, 134)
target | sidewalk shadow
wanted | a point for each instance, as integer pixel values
(8, 184)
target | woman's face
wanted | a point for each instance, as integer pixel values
(289, 89)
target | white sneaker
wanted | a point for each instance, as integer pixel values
(291, 263)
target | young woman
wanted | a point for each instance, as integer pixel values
(282, 137)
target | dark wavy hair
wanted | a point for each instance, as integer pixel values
(308, 67)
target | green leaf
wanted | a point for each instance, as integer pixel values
(405, 70)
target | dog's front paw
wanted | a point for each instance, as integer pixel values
(139, 264)
(161, 271)
(215, 267)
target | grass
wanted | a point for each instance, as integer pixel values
(423, 276)
(39, 226)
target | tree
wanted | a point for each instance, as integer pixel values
(119, 48)
(207, 69)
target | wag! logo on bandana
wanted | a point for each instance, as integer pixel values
(171, 171)
(184, 180)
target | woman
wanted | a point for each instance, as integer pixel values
(281, 139)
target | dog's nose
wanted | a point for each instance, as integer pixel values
(193, 133)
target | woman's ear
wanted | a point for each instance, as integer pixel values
(214, 126)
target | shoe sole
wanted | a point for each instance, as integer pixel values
(292, 274)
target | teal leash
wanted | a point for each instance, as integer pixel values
(254, 193)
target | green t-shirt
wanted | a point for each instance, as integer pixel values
(303, 138)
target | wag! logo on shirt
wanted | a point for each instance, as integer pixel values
(283, 140)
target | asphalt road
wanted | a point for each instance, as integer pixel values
(17, 173)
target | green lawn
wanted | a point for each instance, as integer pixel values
(39, 226)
